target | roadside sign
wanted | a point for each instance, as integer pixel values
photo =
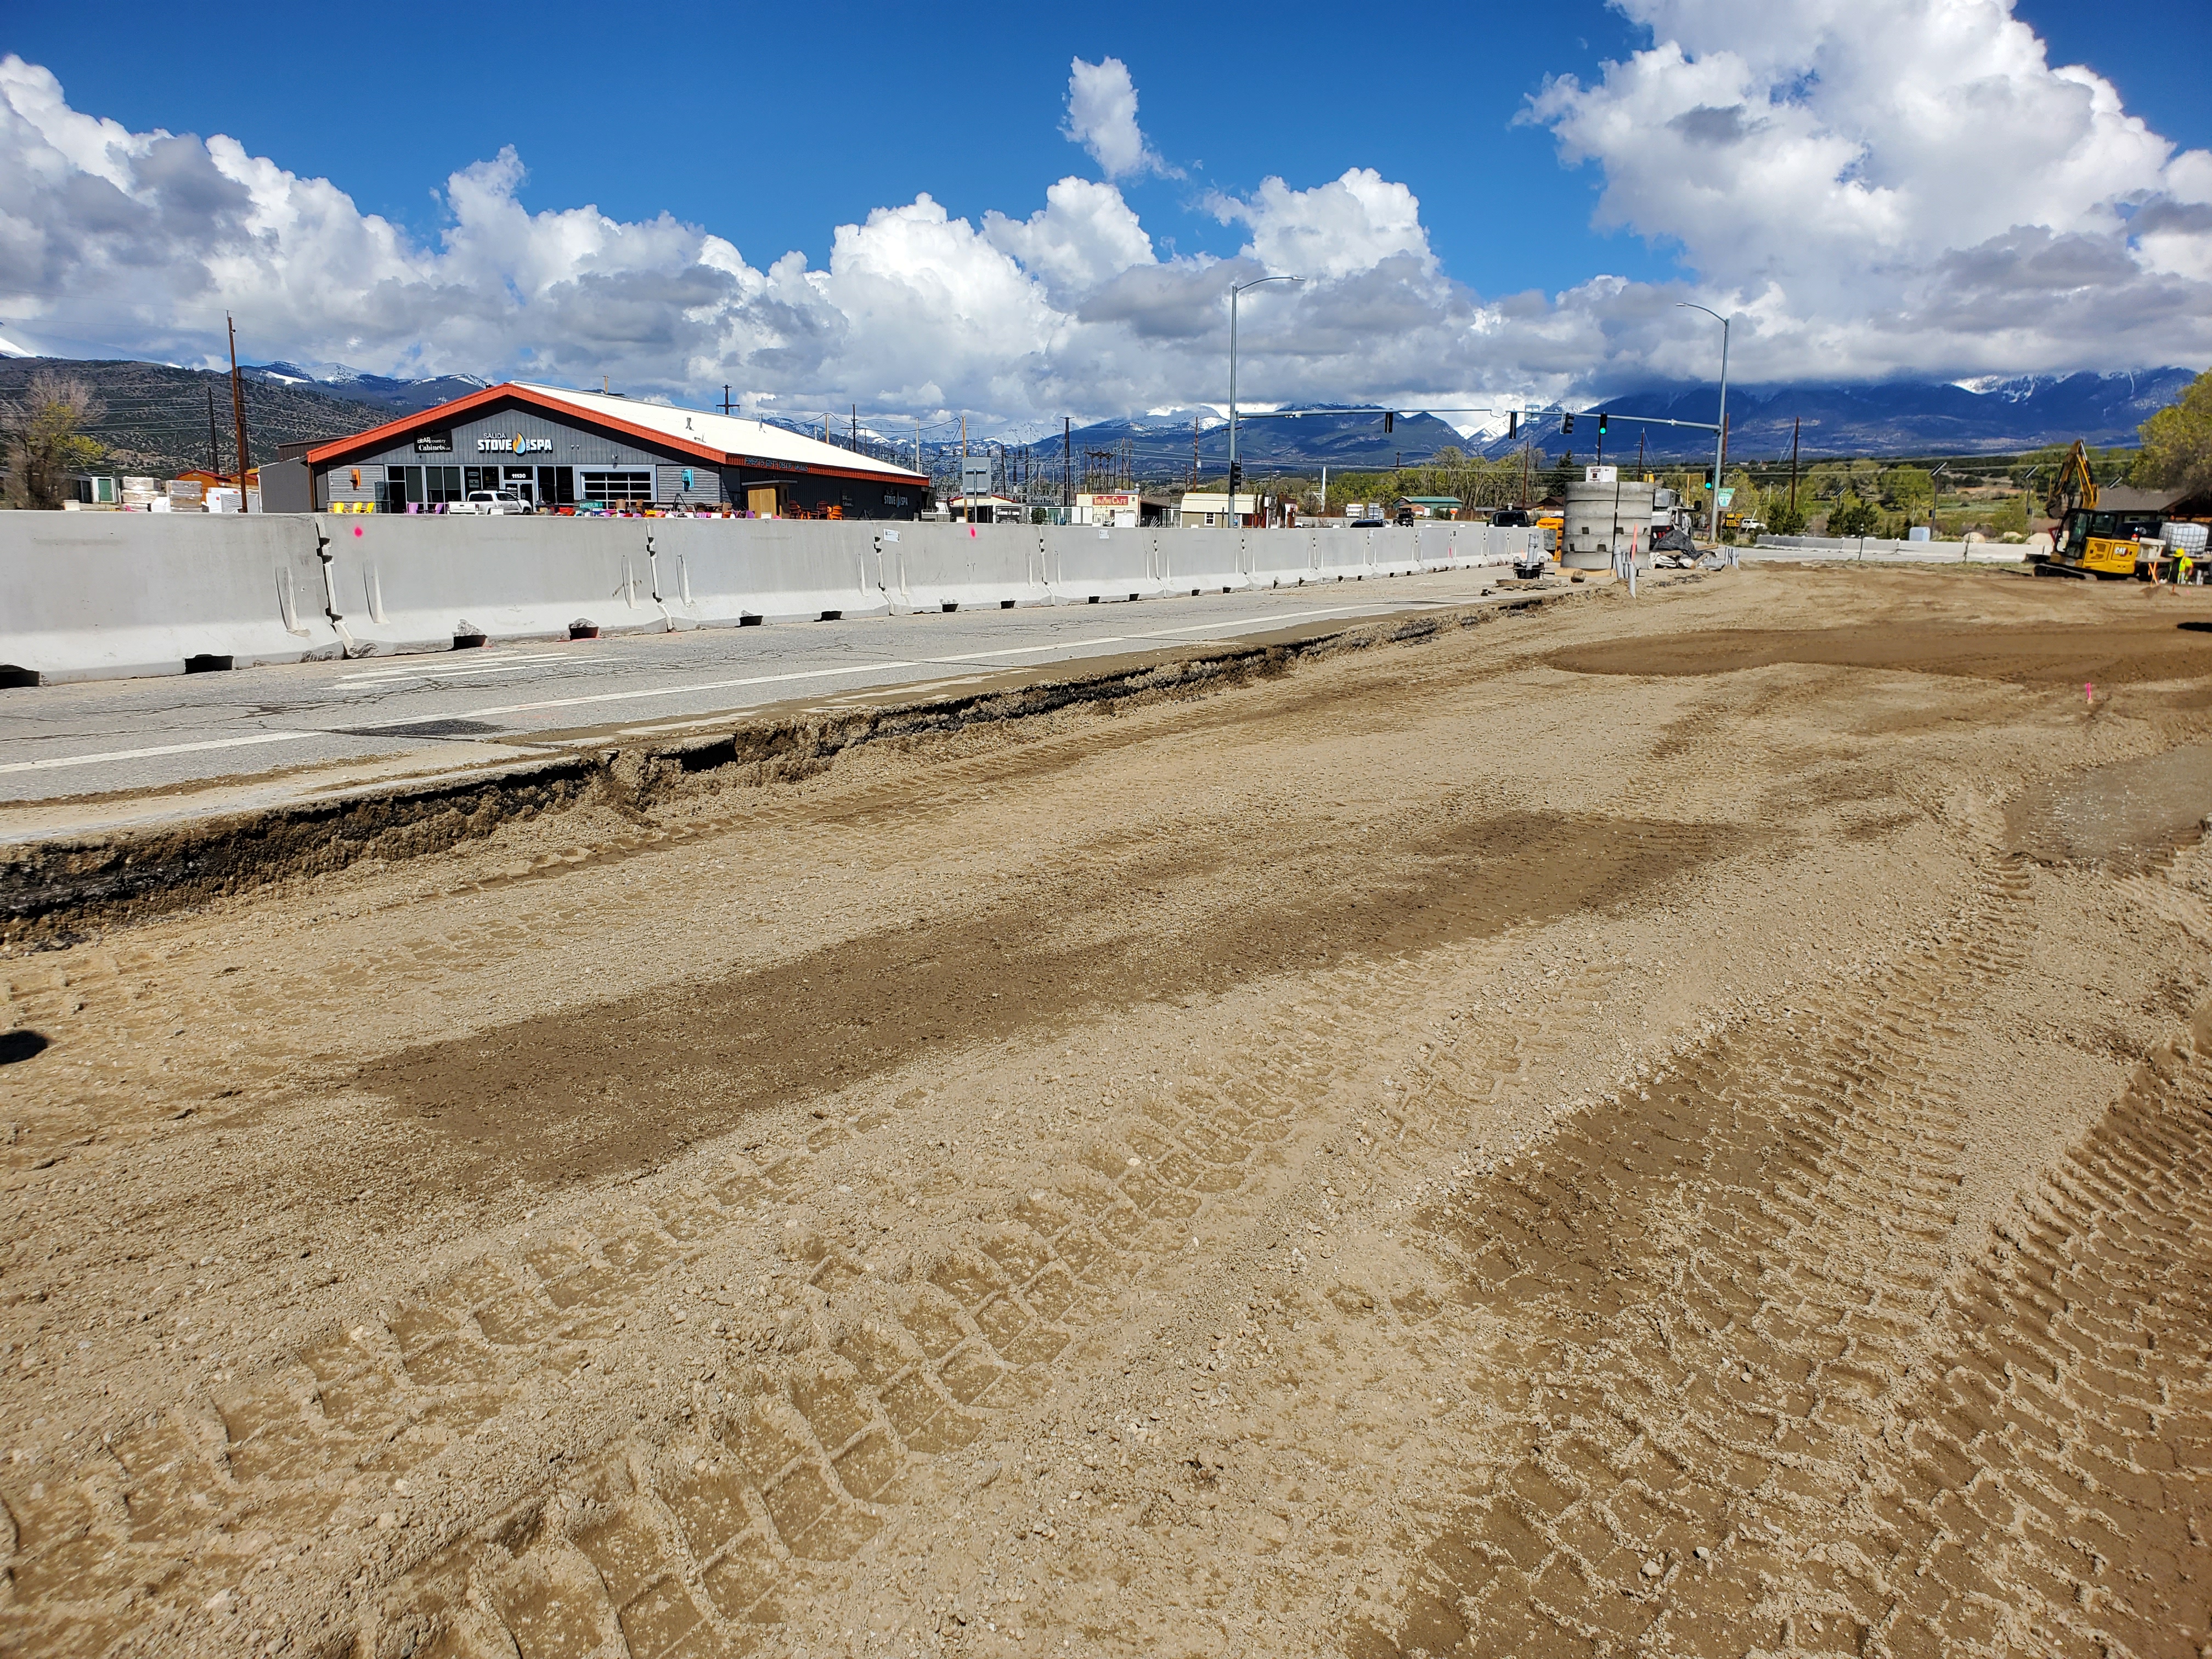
(1726, 495)
(974, 477)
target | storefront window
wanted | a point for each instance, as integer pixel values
(618, 486)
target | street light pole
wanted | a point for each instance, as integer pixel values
(1720, 434)
(1236, 289)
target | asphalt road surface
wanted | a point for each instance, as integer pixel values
(116, 751)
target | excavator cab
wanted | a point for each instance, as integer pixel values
(2094, 542)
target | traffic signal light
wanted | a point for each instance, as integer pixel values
(1389, 420)
(1566, 424)
(1600, 423)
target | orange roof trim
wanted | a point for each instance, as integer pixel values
(445, 414)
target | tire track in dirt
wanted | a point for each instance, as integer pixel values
(798, 1429)
(1753, 1413)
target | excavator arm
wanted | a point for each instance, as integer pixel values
(2074, 485)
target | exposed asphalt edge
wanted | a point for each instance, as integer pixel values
(56, 892)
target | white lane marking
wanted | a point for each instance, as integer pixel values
(1029, 650)
(859, 668)
(657, 691)
(60, 761)
(394, 676)
(478, 666)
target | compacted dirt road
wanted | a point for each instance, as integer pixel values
(1673, 1127)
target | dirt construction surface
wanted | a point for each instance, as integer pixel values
(1667, 1127)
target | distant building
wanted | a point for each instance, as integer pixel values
(1430, 507)
(989, 509)
(1201, 508)
(560, 449)
(1119, 508)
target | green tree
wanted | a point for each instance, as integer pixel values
(46, 440)
(2177, 443)
(1908, 488)
(1853, 517)
(1747, 502)
(1786, 519)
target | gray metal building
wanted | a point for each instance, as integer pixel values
(559, 448)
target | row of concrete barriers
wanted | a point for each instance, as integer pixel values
(1863, 547)
(101, 596)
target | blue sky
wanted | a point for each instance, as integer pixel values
(1889, 187)
(770, 124)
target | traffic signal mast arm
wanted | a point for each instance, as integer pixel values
(1243, 414)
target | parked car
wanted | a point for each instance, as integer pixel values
(1364, 523)
(1511, 518)
(493, 502)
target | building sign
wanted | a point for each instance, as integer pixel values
(434, 443)
(517, 445)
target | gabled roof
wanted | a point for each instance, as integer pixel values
(720, 439)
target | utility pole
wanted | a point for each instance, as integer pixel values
(1066, 460)
(238, 409)
(917, 443)
(726, 397)
(1795, 426)
(1720, 433)
(214, 449)
(856, 428)
(967, 500)
(1235, 289)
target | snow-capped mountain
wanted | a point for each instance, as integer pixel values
(358, 386)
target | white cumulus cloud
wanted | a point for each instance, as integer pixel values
(1897, 184)
(1349, 224)
(1887, 186)
(1102, 116)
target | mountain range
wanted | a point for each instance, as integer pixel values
(1895, 418)
(1882, 418)
(157, 420)
(359, 387)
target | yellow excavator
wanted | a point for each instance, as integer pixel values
(2091, 542)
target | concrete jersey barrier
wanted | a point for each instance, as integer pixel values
(87, 596)
(118, 595)
(1202, 560)
(1343, 554)
(407, 584)
(1089, 564)
(1393, 551)
(725, 572)
(1874, 547)
(958, 567)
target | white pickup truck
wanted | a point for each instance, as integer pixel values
(491, 502)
